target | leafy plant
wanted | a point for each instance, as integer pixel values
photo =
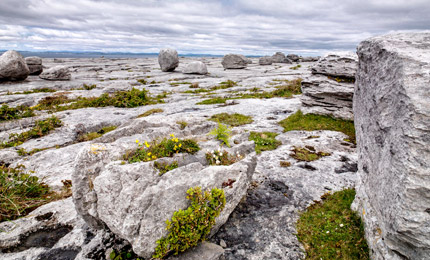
(331, 230)
(42, 128)
(10, 113)
(190, 226)
(264, 141)
(164, 167)
(232, 119)
(182, 124)
(123, 255)
(311, 122)
(165, 148)
(222, 133)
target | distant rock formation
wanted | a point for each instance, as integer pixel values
(13, 66)
(34, 64)
(329, 91)
(392, 119)
(293, 57)
(309, 59)
(195, 67)
(266, 60)
(234, 61)
(279, 57)
(56, 73)
(168, 60)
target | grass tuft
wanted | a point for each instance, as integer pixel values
(331, 230)
(232, 119)
(151, 111)
(217, 100)
(307, 154)
(264, 141)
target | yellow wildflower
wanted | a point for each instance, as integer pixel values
(174, 148)
(154, 157)
(172, 135)
(147, 145)
(137, 141)
(149, 154)
(180, 145)
(176, 140)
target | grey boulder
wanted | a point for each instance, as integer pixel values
(168, 59)
(309, 59)
(34, 64)
(392, 120)
(13, 66)
(337, 65)
(195, 67)
(279, 57)
(234, 61)
(293, 57)
(56, 73)
(266, 60)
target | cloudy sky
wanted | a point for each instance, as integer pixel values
(212, 27)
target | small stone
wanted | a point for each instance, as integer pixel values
(222, 243)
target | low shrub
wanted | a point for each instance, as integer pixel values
(11, 113)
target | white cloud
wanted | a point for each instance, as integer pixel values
(215, 27)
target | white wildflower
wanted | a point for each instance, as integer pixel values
(341, 225)
(217, 162)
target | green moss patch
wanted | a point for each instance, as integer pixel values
(192, 225)
(42, 128)
(264, 141)
(94, 135)
(307, 154)
(151, 111)
(312, 122)
(232, 119)
(331, 230)
(217, 100)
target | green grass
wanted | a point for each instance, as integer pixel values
(307, 154)
(151, 111)
(232, 119)
(164, 167)
(296, 67)
(93, 135)
(21, 193)
(312, 122)
(167, 147)
(10, 113)
(217, 100)
(264, 141)
(39, 90)
(331, 230)
(41, 128)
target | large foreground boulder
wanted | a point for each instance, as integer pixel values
(280, 57)
(34, 64)
(234, 61)
(133, 201)
(13, 66)
(392, 118)
(56, 73)
(195, 67)
(337, 65)
(168, 59)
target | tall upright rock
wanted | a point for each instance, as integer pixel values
(392, 120)
(168, 59)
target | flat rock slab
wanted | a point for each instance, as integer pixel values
(205, 250)
(337, 65)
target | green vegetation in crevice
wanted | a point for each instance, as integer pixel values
(264, 141)
(182, 124)
(175, 84)
(126, 99)
(235, 119)
(296, 67)
(165, 167)
(342, 79)
(284, 164)
(10, 113)
(307, 154)
(217, 100)
(167, 147)
(93, 135)
(124, 255)
(222, 133)
(38, 90)
(21, 193)
(312, 122)
(192, 225)
(222, 157)
(41, 128)
(196, 91)
(142, 81)
(331, 230)
(151, 111)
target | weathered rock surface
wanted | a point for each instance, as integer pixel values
(392, 118)
(266, 60)
(56, 73)
(195, 67)
(34, 64)
(293, 57)
(13, 66)
(280, 57)
(325, 96)
(337, 65)
(205, 250)
(168, 60)
(234, 61)
(309, 59)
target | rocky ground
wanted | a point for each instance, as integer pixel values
(262, 226)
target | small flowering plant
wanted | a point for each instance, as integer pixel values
(167, 147)
(218, 157)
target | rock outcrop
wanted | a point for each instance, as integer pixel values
(280, 57)
(168, 59)
(329, 91)
(34, 64)
(266, 60)
(392, 118)
(234, 61)
(13, 66)
(56, 73)
(309, 59)
(195, 67)
(293, 57)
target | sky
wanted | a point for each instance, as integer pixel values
(251, 27)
